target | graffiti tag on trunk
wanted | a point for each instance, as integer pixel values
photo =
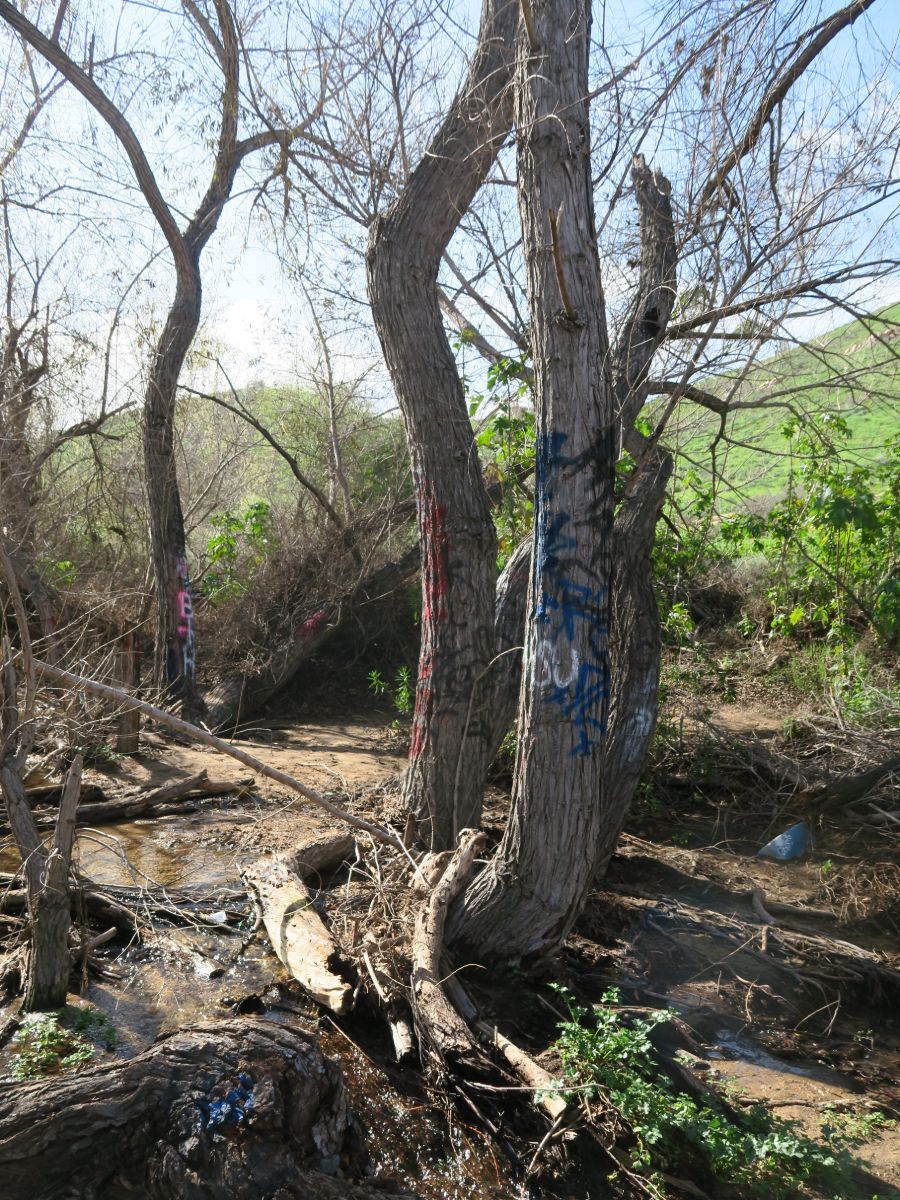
(571, 655)
(181, 663)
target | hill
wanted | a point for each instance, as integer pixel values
(852, 372)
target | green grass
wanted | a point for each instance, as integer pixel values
(854, 371)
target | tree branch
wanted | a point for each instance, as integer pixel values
(827, 32)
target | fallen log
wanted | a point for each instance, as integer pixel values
(236, 1108)
(443, 1034)
(297, 932)
(172, 799)
(50, 793)
(161, 801)
(320, 856)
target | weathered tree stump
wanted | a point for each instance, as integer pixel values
(238, 1109)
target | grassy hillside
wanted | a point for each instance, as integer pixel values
(854, 372)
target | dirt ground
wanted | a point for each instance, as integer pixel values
(798, 1010)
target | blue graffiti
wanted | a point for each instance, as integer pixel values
(234, 1108)
(587, 694)
(549, 538)
(562, 606)
(576, 602)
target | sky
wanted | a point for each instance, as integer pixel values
(254, 317)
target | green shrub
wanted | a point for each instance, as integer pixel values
(607, 1055)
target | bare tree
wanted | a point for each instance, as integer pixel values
(448, 755)
(175, 640)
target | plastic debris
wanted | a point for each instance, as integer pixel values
(793, 843)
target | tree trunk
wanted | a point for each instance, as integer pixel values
(234, 1108)
(636, 643)
(509, 633)
(47, 878)
(448, 749)
(527, 898)
(176, 661)
(635, 652)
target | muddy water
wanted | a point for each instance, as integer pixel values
(178, 975)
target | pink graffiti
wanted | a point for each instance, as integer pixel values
(185, 611)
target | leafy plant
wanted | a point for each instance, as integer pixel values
(235, 534)
(606, 1054)
(54, 1043)
(402, 691)
(833, 539)
(854, 1128)
(506, 439)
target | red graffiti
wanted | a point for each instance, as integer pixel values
(435, 546)
(422, 712)
(310, 625)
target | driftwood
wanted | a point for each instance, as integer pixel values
(172, 799)
(236, 1108)
(49, 673)
(297, 932)
(443, 1034)
(394, 1011)
(320, 856)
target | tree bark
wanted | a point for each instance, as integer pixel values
(509, 635)
(635, 653)
(526, 900)
(155, 1126)
(47, 879)
(448, 750)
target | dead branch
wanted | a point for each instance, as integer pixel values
(297, 932)
(443, 1035)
